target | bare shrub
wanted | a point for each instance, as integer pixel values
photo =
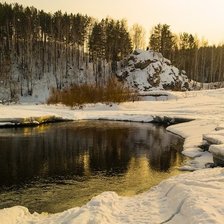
(77, 95)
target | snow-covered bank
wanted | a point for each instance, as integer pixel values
(204, 107)
(190, 198)
(30, 121)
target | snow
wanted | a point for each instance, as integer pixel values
(217, 149)
(195, 197)
(215, 137)
(6, 124)
(149, 70)
(188, 198)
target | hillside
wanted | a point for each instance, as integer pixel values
(149, 70)
(142, 70)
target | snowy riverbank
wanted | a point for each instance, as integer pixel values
(190, 198)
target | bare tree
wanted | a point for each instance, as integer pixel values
(137, 33)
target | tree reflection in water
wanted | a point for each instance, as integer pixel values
(132, 153)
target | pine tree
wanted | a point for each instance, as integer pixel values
(162, 40)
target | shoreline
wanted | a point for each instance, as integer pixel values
(174, 200)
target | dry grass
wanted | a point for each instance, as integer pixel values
(77, 95)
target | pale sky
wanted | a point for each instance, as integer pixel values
(202, 17)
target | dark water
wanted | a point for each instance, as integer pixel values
(55, 167)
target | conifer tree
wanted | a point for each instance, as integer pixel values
(162, 40)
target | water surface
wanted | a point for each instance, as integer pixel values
(55, 167)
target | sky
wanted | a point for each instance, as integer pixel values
(205, 18)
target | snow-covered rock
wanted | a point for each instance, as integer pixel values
(149, 70)
(217, 150)
(216, 141)
(215, 137)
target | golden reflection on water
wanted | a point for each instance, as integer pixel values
(25, 131)
(74, 162)
(87, 171)
(137, 174)
(140, 173)
(28, 131)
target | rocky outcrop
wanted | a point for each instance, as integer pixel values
(149, 70)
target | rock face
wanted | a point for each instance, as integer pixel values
(149, 70)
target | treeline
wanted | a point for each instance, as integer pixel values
(70, 46)
(77, 49)
(202, 63)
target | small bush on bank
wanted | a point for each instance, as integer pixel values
(77, 95)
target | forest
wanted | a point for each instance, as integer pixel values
(76, 48)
